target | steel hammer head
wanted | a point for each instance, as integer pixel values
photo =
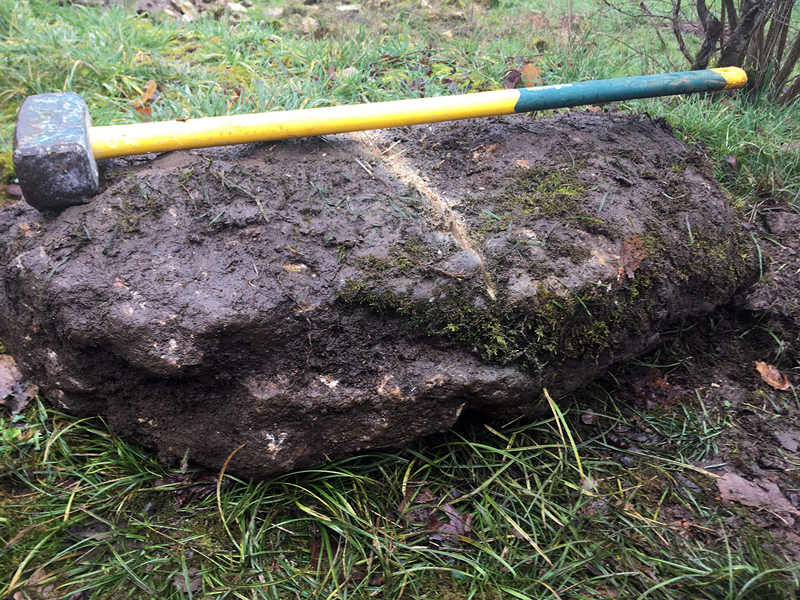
(52, 152)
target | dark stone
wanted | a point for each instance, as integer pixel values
(330, 296)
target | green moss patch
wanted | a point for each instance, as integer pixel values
(546, 192)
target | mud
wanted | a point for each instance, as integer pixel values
(302, 301)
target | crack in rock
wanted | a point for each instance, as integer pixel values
(445, 218)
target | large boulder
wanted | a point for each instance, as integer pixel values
(314, 298)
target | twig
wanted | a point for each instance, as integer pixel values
(636, 50)
(676, 29)
(461, 275)
(658, 33)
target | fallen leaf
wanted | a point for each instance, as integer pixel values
(531, 75)
(772, 376)
(589, 417)
(632, 255)
(758, 494)
(522, 163)
(349, 71)
(13, 190)
(459, 525)
(149, 91)
(15, 393)
(539, 21)
(512, 79)
(732, 161)
(309, 24)
(594, 109)
(145, 111)
(448, 35)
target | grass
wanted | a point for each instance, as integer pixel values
(557, 509)
(550, 516)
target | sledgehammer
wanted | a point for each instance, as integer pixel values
(56, 148)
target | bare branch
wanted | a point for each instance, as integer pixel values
(780, 78)
(658, 33)
(713, 30)
(676, 29)
(751, 17)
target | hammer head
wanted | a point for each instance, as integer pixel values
(52, 153)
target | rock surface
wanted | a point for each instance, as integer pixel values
(310, 299)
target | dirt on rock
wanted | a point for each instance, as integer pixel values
(305, 300)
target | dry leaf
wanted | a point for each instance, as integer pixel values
(309, 24)
(531, 75)
(149, 91)
(459, 525)
(14, 392)
(731, 160)
(539, 21)
(13, 190)
(594, 109)
(772, 376)
(522, 163)
(512, 79)
(632, 255)
(760, 494)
